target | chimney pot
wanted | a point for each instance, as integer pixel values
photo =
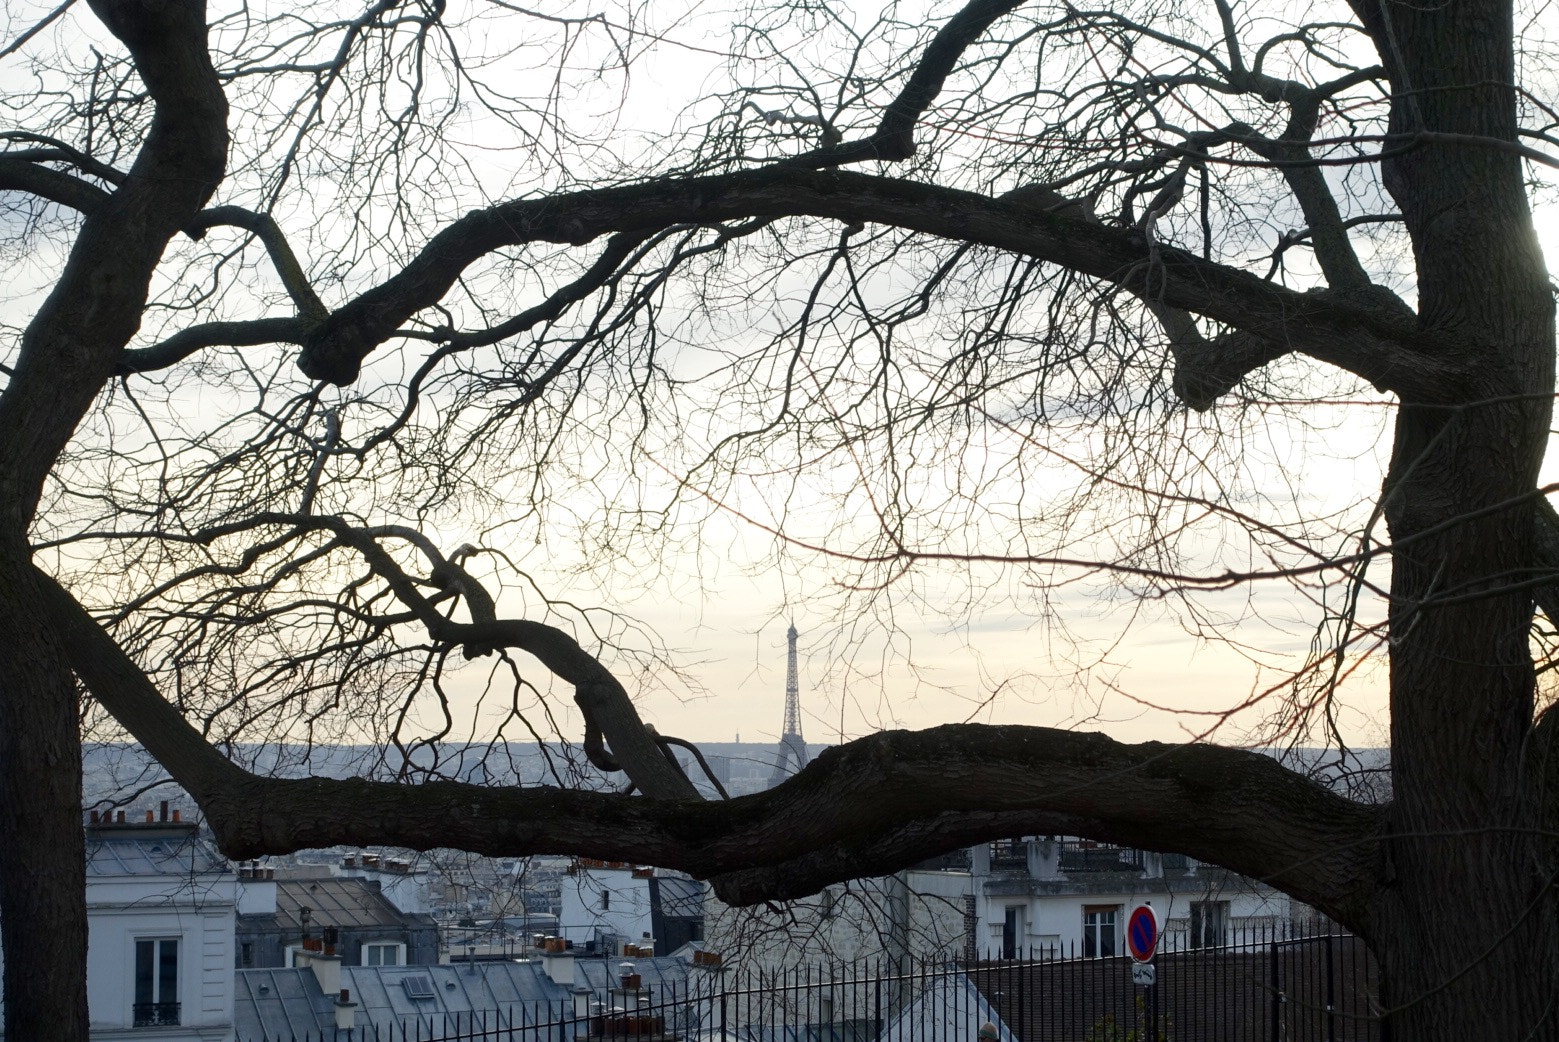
(346, 995)
(164, 810)
(177, 815)
(94, 817)
(121, 817)
(148, 817)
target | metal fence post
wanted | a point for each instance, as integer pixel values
(1277, 992)
(877, 1012)
(1152, 990)
(1331, 992)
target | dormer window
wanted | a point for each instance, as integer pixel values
(384, 953)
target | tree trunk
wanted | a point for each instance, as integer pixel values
(1466, 923)
(43, 931)
(66, 354)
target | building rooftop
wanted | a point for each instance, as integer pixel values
(150, 849)
(658, 973)
(287, 1003)
(681, 897)
(333, 901)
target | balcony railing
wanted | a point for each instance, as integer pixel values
(1009, 853)
(156, 1014)
(1083, 856)
(1080, 855)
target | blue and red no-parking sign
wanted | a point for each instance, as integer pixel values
(1142, 933)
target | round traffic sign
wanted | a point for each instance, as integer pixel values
(1142, 932)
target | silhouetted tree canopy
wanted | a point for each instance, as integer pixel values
(337, 335)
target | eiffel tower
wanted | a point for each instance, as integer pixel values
(792, 748)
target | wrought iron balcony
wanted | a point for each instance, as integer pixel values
(156, 1014)
(1009, 853)
(1086, 856)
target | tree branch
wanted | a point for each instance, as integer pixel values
(1380, 344)
(19, 174)
(894, 138)
(869, 806)
(601, 697)
(187, 342)
(265, 228)
(73, 341)
(1335, 254)
(54, 150)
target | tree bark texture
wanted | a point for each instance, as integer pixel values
(43, 928)
(67, 352)
(1469, 853)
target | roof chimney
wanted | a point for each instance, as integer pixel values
(559, 965)
(346, 1010)
(327, 969)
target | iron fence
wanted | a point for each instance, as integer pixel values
(1267, 987)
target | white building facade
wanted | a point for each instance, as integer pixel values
(606, 903)
(919, 913)
(1058, 897)
(161, 908)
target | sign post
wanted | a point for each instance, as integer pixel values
(1142, 941)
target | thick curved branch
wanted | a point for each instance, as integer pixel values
(872, 805)
(1381, 344)
(1206, 369)
(73, 341)
(187, 342)
(961, 784)
(265, 228)
(21, 174)
(601, 697)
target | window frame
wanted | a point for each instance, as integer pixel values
(1202, 928)
(154, 995)
(1013, 927)
(1096, 920)
(398, 947)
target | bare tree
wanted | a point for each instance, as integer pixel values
(1010, 288)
